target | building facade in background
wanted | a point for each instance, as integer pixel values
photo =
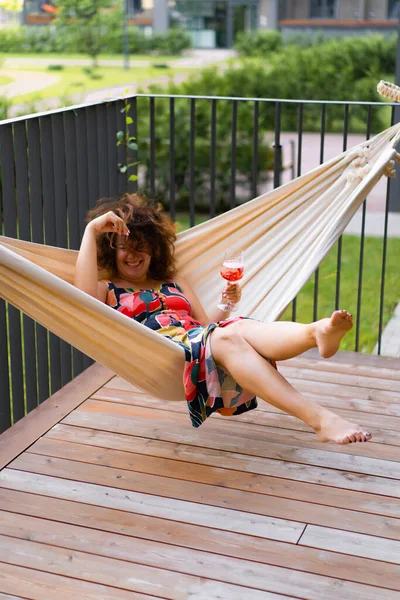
(216, 23)
(339, 17)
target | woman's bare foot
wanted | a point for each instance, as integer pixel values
(329, 332)
(333, 428)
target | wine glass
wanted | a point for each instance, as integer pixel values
(232, 270)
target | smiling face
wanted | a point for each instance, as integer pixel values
(132, 263)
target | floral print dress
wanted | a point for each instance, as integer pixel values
(165, 309)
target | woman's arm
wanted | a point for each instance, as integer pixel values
(198, 311)
(86, 272)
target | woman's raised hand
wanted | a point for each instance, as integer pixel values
(109, 223)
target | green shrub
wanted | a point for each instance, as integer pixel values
(258, 43)
(339, 70)
(173, 42)
(105, 35)
(5, 104)
(55, 67)
(202, 147)
(12, 40)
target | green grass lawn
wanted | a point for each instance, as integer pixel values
(4, 79)
(371, 285)
(76, 80)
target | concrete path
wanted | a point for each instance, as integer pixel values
(26, 82)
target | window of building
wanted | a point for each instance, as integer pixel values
(323, 9)
(394, 9)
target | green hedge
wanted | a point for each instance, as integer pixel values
(48, 39)
(338, 70)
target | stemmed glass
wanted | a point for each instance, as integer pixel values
(232, 270)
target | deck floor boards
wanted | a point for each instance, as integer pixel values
(113, 495)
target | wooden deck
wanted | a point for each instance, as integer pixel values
(106, 493)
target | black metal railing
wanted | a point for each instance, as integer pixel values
(198, 155)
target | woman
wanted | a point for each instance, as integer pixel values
(228, 361)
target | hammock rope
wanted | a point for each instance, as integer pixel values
(285, 234)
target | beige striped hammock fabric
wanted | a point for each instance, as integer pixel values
(285, 234)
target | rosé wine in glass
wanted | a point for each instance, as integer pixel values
(232, 270)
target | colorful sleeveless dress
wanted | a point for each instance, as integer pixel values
(208, 388)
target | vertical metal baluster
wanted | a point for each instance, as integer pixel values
(152, 149)
(277, 146)
(340, 241)
(82, 159)
(71, 170)
(299, 156)
(233, 154)
(254, 186)
(24, 230)
(213, 156)
(36, 198)
(384, 252)
(121, 149)
(112, 159)
(49, 206)
(321, 160)
(101, 146)
(192, 160)
(60, 202)
(133, 154)
(172, 158)
(362, 242)
(94, 176)
(11, 342)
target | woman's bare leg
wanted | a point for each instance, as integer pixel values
(282, 340)
(251, 371)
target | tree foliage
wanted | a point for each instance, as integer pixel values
(12, 5)
(84, 20)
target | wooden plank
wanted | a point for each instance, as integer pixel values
(38, 585)
(355, 544)
(356, 358)
(272, 459)
(387, 407)
(238, 471)
(190, 512)
(169, 556)
(8, 597)
(257, 419)
(384, 429)
(341, 378)
(16, 439)
(326, 387)
(387, 430)
(329, 366)
(166, 497)
(134, 577)
(202, 538)
(174, 444)
(378, 407)
(240, 433)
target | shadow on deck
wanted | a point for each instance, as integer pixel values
(106, 493)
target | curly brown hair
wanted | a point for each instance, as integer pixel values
(150, 228)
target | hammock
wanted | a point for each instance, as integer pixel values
(285, 234)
